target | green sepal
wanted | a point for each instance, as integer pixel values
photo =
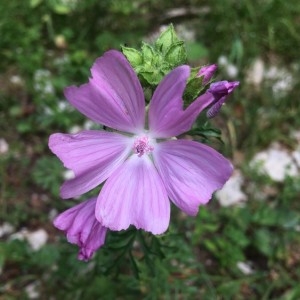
(193, 88)
(148, 54)
(134, 56)
(152, 77)
(166, 39)
(176, 54)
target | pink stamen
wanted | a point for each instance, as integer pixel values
(141, 146)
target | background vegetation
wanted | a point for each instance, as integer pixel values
(46, 45)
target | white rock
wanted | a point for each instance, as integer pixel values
(20, 235)
(68, 174)
(37, 239)
(62, 106)
(245, 267)
(231, 70)
(4, 147)
(231, 193)
(222, 60)
(75, 129)
(276, 162)
(88, 125)
(296, 156)
(255, 74)
(31, 290)
(16, 79)
(5, 229)
(52, 214)
(296, 136)
(281, 79)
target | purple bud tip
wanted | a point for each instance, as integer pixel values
(222, 88)
(207, 72)
(220, 91)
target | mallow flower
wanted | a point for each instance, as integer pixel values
(82, 228)
(141, 163)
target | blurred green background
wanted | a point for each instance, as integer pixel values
(245, 243)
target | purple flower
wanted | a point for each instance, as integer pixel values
(207, 72)
(82, 228)
(144, 166)
(220, 90)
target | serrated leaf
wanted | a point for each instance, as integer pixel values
(151, 77)
(176, 54)
(166, 39)
(134, 56)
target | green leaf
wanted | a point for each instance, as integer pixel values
(263, 241)
(134, 56)
(35, 3)
(166, 39)
(237, 236)
(62, 9)
(195, 51)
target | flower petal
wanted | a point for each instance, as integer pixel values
(166, 104)
(134, 195)
(166, 115)
(191, 172)
(82, 228)
(113, 96)
(92, 155)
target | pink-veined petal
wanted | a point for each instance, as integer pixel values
(82, 228)
(166, 115)
(191, 172)
(134, 195)
(92, 155)
(113, 96)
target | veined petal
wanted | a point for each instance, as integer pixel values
(191, 172)
(134, 195)
(113, 96)
(82, 228)
(167, 105)
(166, 115)
(92, 155)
